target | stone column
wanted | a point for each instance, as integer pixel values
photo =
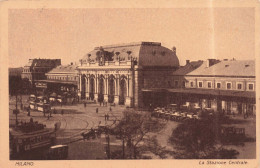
(96, 88)
(80, 89)
(128, 101)
(87, 87)
(116, 97)
(138, 85)
(127, 86)
(106, 88)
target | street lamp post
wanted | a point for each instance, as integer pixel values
(108, 145)
(16, 111)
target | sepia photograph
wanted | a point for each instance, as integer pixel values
(110, 83)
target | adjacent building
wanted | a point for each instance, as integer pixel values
(118, 73)
(60, 80)
(225, 86)
(35, 69)
(158, 96)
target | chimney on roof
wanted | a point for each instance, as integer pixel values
(174, 50)
(187, 62)
(211, 62)
(71, 63)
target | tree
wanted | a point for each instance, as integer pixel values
(199, 140)
(134, 129)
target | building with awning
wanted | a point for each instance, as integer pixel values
(224, 86)
(62, 79)
(220, 85)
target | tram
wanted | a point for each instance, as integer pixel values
(32, 102)
(58, 152)
(30, 136)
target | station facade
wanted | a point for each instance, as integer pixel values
(118, 73)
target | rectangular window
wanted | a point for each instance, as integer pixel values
(218, 85)
(250, 86)
(239, 86)
(209, 84)
(228, 85)
(191, 84)
(209, 103)
(183, 83)
(200, 84)
(176, 83)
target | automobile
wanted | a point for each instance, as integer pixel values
(89, 134)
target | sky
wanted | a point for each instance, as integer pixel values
(68, 34)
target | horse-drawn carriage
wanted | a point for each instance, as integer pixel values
(96, 133)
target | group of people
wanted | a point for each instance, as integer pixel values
(31, 126)
(106, 117)
(104, 103)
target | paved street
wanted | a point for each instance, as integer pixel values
(78, 119)
(75, 120)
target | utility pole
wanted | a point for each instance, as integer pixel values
(123, 148)
(16, 111)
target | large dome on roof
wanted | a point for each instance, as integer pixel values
(147, 54)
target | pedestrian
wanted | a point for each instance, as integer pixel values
(100, 103)
(50, 112)
(48, 116)
(85, 104)
(107, 117)
(96, 110)
(28, 110)
(245, 116)
(106, 103)
(99, 122)
(103, 103)
(110, 109)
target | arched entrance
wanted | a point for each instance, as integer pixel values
(122, 91)
(91, 88)
(83, 86)
(111, 89)
(101, 89)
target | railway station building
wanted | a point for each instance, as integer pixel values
(119, 73)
